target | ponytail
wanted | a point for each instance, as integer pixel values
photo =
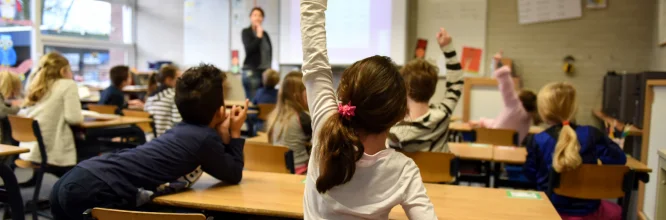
(339, 151)
(152, 83)
(566, 156)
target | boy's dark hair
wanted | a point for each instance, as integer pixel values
(118, 75)
(199, 93)
(421, 79)
(258, 9)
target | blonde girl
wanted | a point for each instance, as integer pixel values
(289, 124)
(10, 88)
(565, 146)
(53, 101)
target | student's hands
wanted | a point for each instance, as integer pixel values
(260, 31)
(443, 37)
(223, 128)
(16, 102)
(498, 56)
(238, 115)
(135, 104)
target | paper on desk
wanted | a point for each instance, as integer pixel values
(523, 194)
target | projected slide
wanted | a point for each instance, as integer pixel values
(355, 30)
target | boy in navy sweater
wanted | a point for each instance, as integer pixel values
(207, 140)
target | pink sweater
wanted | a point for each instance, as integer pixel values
(513, 116)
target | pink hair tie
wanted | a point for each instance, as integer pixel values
(347, 111)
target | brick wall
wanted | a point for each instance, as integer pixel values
(619, 37)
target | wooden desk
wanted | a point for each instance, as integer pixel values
(123, 120)
(6, 150)
(462, 126)
(472, 151)
(135, 89)
(260, 138)
(281, 195)
(517, 155)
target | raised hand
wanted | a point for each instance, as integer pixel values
(238, 115)
(443, 37)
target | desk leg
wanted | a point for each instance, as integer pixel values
(12, 190)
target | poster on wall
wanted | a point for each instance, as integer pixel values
(471, 60)
(420, 51)
(15, 13)
(596, 4)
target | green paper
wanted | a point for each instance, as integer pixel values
(479, 145)
(303, 181)
(523, 195)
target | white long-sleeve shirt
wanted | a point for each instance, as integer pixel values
(382, 180)
(55, 112)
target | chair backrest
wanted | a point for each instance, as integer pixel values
(436, 167)
(147, 127)
(265, 110)
(27, 130)
(268, 158)
(113, 214)
(503, 137)
(591, 181)
(103, 109)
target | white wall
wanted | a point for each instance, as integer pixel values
(656, 143)
(159, 34)
(206, 33)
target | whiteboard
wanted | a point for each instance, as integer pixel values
(534, 11)
(206, 33)
(485, 102)
(465, 20)
(656, 142)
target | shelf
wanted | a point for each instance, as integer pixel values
(633, 131)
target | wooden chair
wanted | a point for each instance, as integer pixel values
(265, 110)
(113, 214)
(148, 127)
(103, 109)
(436, 167)
(591, 181)
(268, 158)
(27, 130)
(503, 137)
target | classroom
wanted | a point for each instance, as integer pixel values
(333, 109)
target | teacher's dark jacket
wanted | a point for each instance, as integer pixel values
(253, 48)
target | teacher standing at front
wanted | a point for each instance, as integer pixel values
(258, 52)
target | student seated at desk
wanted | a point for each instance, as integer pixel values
(160, 103)
(265, 95)
(10, 91)
(53, 101)
(565, 146)
(426, 127)
(290, 124)
(352, 174)
(207, 140)
(114, 95)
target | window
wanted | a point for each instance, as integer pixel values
(92, 19)
(91, 66)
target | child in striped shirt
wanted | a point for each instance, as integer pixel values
(426, 127)
(160, 103)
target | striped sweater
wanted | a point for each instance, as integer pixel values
(430, 131)
(162, 106)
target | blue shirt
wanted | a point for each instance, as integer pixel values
(112, 95)
(172, 155)
(593, 145)
(265, 96)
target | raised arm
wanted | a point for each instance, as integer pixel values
(317, 74)
(507, 87)
(454, 74)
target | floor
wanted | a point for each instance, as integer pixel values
(23, 175)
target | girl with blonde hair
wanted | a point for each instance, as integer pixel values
(289, 123)
(565, 146)
(10, 89)
(53, 101)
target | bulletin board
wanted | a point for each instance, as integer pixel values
(662, 23)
